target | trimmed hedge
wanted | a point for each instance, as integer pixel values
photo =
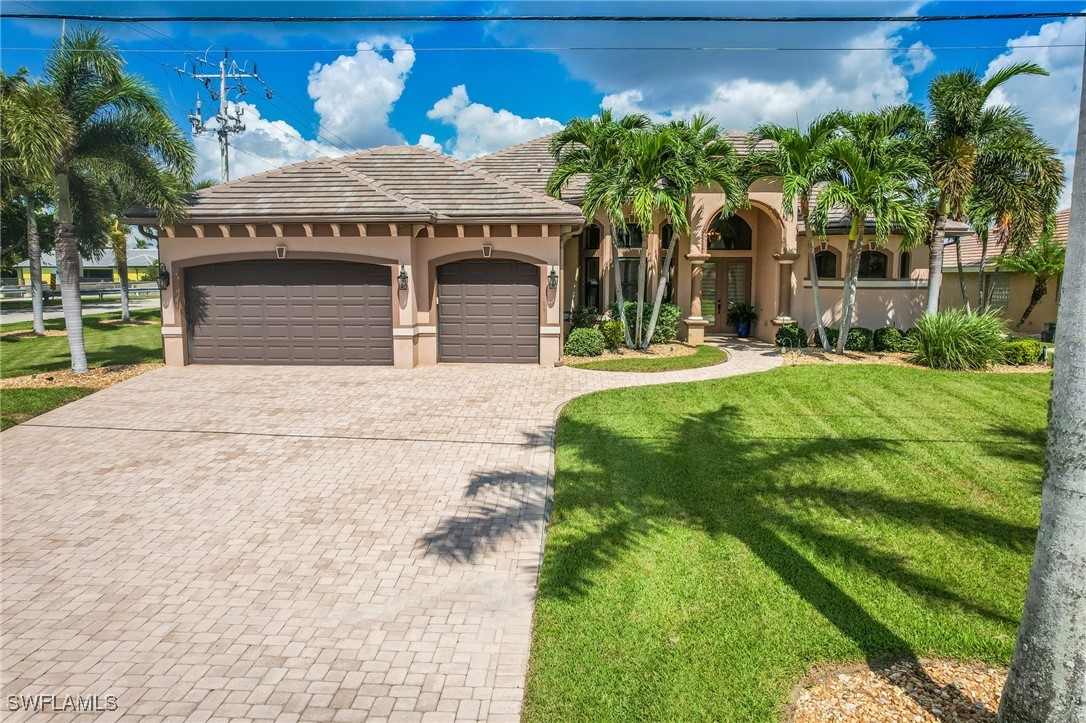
(583, 317)
(1021, 352)
(667, 326)
(584, 342)
(860, 338)
(889, 338)
(614, 333)
(791, 336)
(832, 332)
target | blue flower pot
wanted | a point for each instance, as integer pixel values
(743, 329)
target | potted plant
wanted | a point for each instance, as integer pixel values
(742, 315)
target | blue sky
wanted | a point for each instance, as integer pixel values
(470, 88)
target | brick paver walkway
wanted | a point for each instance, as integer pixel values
(288, 543)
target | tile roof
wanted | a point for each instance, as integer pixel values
(396, 183)
(971, 248)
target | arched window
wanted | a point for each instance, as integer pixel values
(729, 234)
(906, 269)
(631, 238)
(590, 237)
(666, 233)
(826, 264)
(874, 265)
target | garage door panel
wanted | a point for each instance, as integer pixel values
(289, 312)
(488, 311)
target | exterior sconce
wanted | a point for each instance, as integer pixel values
(280, 252)
(401, 278)
(487, 250)
(552, 279)
(163, 277)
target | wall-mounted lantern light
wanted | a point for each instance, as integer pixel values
(552, 279)
(402, 277)
(280, 252)
(163, 277)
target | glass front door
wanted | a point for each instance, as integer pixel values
(722, 282)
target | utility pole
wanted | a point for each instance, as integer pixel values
(230, 77)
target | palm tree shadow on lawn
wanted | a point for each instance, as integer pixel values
(753, 497)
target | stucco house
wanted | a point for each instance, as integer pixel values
(404, 256)
(1009, 292)
(101, 267)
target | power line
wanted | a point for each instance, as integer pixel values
(593, 48)
(546, 18)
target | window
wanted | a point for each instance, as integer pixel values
(590, 281)
(98, 274)
(906, 269)
(826, 264)
(729, 234)
(666, 233)
(627, 269)
(631, 238)
(590, 237)
(999, 291)
(873, 265)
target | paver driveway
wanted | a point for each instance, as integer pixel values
(287, 543)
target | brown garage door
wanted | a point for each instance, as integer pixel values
(289, 312)
(488, 311)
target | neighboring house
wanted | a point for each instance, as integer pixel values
(142, 266)
(472, 262)
(1009, 292)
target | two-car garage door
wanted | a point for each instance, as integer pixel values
(289, 312)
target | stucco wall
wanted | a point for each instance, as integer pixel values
(1019, 292)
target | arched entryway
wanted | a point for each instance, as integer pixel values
(727, 274)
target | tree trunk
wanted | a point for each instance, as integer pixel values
(122, 269)
(68, 268)
(961, 273)
(812, 266)
(1040, 288)
(982, 306)
(1047, 681)
(33, 253)
(660, 284)
(640, 296)
(618, 290)
(852, 272)
(935, 263)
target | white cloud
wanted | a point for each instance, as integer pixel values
(428, 141)
(1050, 102)
(354, 94)
(481, 129)
(263, 145)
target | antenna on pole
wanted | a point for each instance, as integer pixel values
(230, 77)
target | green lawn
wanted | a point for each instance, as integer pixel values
(705, 356)
(107, 344)
(19, 405)
(710, 542)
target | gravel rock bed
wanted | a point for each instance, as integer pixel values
(803, 357)
(96, 378)
(29, 333)
(928, 690)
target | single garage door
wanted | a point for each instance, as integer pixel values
(488, 311)
(289, 312)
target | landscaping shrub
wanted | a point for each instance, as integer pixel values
(1023, 351)
(860, 338)
(832, 333)
(889, 338)
(957, 339)
(667, 326)
(614, 333)
(791, 336)
(583, 317)
(584, 342)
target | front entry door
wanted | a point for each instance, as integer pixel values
(723, 281)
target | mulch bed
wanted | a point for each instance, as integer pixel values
(655, 351)
(913, 691)
(29, 333)
(96, 378)
(802, 357)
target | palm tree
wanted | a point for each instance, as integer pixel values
(798, 160)
(121, 134)
(32, 131)
(584, 148)
(118, 237)
(876, 169)
(965, 139)
(1042, 261)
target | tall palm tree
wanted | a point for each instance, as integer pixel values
(876, 169)
(33, 130)
(705, 159)
(118, 238)
(121, 134)
(1043, 261)
(965, 138)
(798, 159)
(585, 148)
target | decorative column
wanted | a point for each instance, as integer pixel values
(784, 289)
(695, 323)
